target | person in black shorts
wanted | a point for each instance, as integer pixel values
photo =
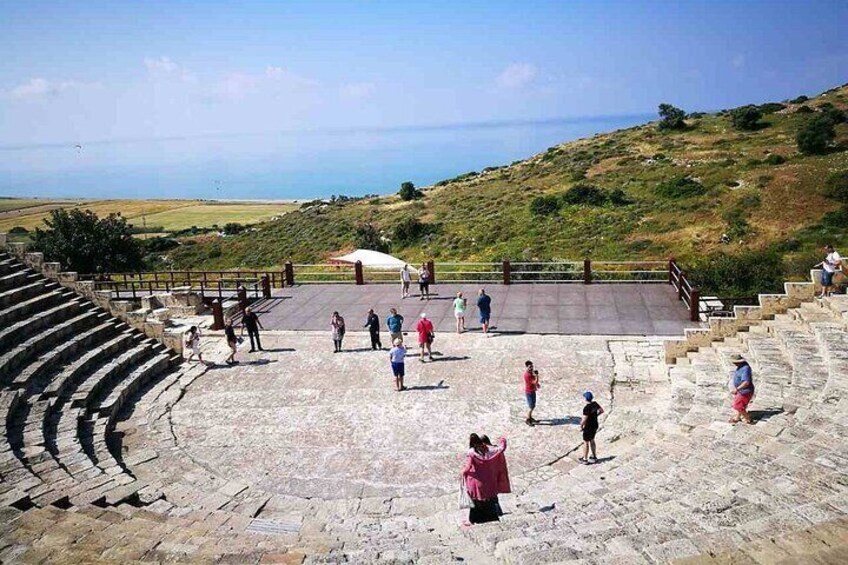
(424, 282)
(230, 334)
(589, 425)
(251, 322)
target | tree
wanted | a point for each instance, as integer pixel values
(745, 117)
(84, 243)
(816, 134)
(671, 117)
(409, 230)
(409, 192)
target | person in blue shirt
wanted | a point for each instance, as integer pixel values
(395, 324)
(484, 305)
(742, 388)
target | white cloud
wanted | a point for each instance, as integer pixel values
(40, 87)
(284, 76)
(738, 61)
(516, 75)
(358, 90)
(161, 65)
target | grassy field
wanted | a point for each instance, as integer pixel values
(171, 215)
(208, 214)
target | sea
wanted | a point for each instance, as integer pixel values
(287, 165)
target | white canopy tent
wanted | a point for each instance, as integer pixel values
(374, 260)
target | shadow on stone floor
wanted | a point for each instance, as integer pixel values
(570, 420)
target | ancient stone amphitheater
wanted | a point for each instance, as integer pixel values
(91, 469)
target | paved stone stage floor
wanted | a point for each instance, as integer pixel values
(575, 309)
(299, 420)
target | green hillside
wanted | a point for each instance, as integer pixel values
(642, 192)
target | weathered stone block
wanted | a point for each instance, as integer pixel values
(67, 278)
(34, 260)
(51, 269)
(17, 248)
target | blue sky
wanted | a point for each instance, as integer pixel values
(85, 71)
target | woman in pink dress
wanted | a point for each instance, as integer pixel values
(485, 475)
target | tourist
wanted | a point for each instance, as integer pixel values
(426, 335)
(483, 467)
(531, 385)
(397, 356)
(232, 341)
(589, 425)
(405, 279)
(484, 305)
(192, 342)
(337, 324)
(373, 325)
(424, 282)
(831, 265)
(459, 305)
(395, 324)
(502, 472)
(742, 388)
(251, 321)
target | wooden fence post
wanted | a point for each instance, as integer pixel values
(217, 315)
(507, 272)
(431, 266)
(695, 305)
(266, 286)
(289, 269)
(357, 271)
(587, 271)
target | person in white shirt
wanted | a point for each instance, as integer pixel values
(831, 265)
(405, 279)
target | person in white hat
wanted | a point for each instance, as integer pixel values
(426, 334)
(742, 388)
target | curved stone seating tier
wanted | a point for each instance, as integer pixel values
(20, 331)
(29, 290)
(24, 308)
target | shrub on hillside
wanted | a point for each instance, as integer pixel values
(233, 228)
(409, 192)
(584, 194)
(771, 107)
(775, 159)
(409, 230)
(745, 118)
(545, 205)
(836, 187)
(159, 244)
(737, 223)
(671, 118)
(681, 187)
(799, 99)
(804, 110)
(18, 230)
(618, 197)
(836, 115)
(367, 236)
(740, 274)
(815, 135)
(84, 243)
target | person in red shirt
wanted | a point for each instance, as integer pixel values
(426, 333)
(531, 385)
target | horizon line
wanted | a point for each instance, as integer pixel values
(485, 124)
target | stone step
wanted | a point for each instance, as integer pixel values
(75, 371)
(20, 356)
(24, 308)
(34, 285)
(65, 353)
(20, 331)
(14, 279)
